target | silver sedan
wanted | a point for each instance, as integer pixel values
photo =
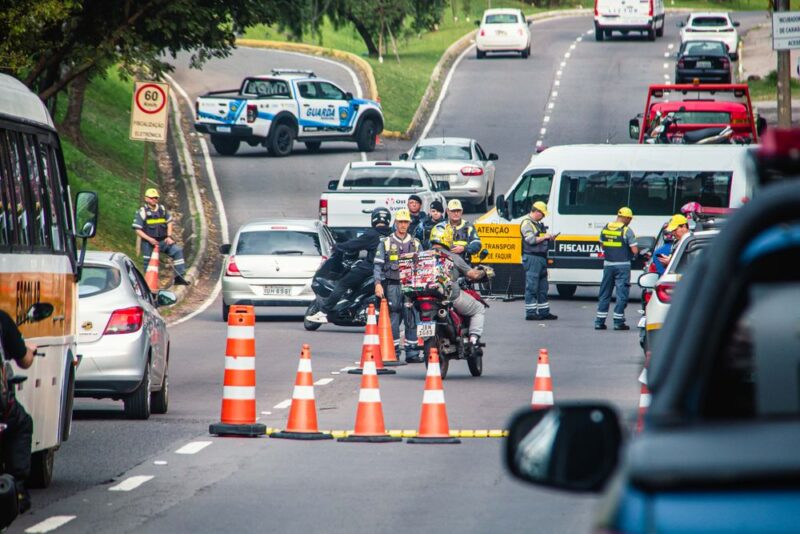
(462, 163)
(122, 339)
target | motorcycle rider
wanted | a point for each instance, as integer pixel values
(387, 271)
(365, 246)
(442, 239)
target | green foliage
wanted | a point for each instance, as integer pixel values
(767, 88)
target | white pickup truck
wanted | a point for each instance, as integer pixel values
(364, 186)
(275, 110)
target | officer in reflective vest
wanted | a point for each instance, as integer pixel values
(619, 248)
(387, 273)
(465, 239)
(153, 223)
(535, 242)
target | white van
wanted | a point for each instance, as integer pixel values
(645, 16)
(585, 185)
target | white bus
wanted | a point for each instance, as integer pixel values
(39, 264)
(585, 185)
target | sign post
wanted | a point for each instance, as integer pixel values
(149, 116)
(785, 37)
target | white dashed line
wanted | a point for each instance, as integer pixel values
(666, 65)
(49, 524)
(130, 484)
(193, 447)
(551, 105)
(323, 381)
(572, 46)
(579, 39)
(283, 405)
(266, 413)
(543, 131)
(557, 83)
(336, 372)
(666, 54)
(671, 46)
(559, 73)
(345, 369)
(567, 55)
(589, 32)
(666, 76)
(538, 143)
(554, 94)
(160, 462)
(547, 119)
(563, 64)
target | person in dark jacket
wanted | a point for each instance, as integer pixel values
(365, 247)
(436, 215)
(418, 217)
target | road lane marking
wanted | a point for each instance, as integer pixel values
(193, 447)
(557, 83)
(563, 64)
(671, 46)
(283, 404)
(547, 118)
(666, 65)
(50, 524)
(572, 46)
(266, 413)
(539, 143)
(666, 54)
(589, 32)
(559, 73)
(551, 105)
(160, 462)
(543, 131)
(323, 381)
(567, 55)
(131, 483)
(554, 94)
(443, 92)
(335, 373)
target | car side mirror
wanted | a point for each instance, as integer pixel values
(737, 24)
(165, 298)
(86, 214)
(681, 24)
(648, 280)
(478, 22)
(500, 204)
(634, 129)
(404, 157)
(493, 156)
(348, 96)
(571, 446)
(483, 254)
(761, 126)
(443, 186)
(225, 249)
(333, 185)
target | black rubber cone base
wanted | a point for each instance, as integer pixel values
(370, 439)
(305, 436)
(434, 441)
(398, 363)
(377, 371)
(225, 429)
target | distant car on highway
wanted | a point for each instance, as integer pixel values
(271, 262)
(462, 163)
(712, 27)
(503, 30)
(122, 339)
(705, 61)
(644, 16)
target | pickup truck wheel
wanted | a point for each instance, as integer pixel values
(598, 34)
(281, 142)
(313, 146)
(366, 136)
(225, 146)
(651, 35)
(660, 31)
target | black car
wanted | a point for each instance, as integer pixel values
(706, 61)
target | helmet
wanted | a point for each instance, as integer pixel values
(625, 212)
(442, 234)
(676, 221)
(540, 206)
(402, 215)
(380, 216)
(151, 193)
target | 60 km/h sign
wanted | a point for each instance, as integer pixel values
(149, 112)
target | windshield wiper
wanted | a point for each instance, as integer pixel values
(286, 252)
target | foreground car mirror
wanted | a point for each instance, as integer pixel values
(634, 129)
(348, 96)
(648, 280)
(681, 24)
(225, 249)
(761, 125)
(37, 312)
(500, 204)
(571, 446)
(165, 298)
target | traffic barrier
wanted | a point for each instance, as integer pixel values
(433, 426)
(371, 345)
(369, 416)
(151, 275)
(543, 383)
(238, 416)
(302, 422)
(644, 397)
(388, 354)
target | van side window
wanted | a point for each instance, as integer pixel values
(593, 192)
(533, 187)
(710, 189)
(652, 193)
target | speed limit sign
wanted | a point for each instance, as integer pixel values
(149, 111)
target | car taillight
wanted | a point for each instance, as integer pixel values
(596, 11)
(232, 269)
(519, 31)
(125, 321)
(252, 112)
(726, 64)
(323, 210)
(652, 267)
(483, 33)
(664, 291)
(471, 170)
(650, 12)
(681, 64)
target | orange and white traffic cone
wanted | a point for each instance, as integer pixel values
(371, 343)
(369, 416)
(644, 397)
(543, 383)
(151, 275)
(388, 354)
(303, 413)
(433, 426)
(239, 388)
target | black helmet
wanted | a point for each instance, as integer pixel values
(380, 216)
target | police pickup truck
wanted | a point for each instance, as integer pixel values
(287, 105)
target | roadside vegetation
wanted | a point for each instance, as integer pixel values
(766, 88)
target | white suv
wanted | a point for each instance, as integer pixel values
(644, 16)
(712, 27)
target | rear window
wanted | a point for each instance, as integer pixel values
(705, 48)
(504, 18)
(96, 279)
(267, 88)
(702, 117)
(709, 22)
(442, 152)
(389, 177)
(278, 243)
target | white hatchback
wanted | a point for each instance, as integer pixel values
(503, 30)
(712, 27)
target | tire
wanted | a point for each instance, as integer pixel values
(366, 135)
(607, 34)
(479, 54)
(313, 146)
(137, 404)
(226, 309)
(651, 35)
(660, 31)
(159, 400)
(475, 366)
(491, 195)
(598, 34)
(311, 310)
(566, 290)
(42, 468)
(281, 141)
(526, 53)
(483, 205)
(734, 56)
(66, 424)
(226, 146)
(444, 362)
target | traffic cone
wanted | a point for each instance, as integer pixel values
(644, 396)
(542, 384)
(369, 416)
(303, 413)
(239, 388)
(388, 354)
(371, 344)
(151, 275)
(433, 427)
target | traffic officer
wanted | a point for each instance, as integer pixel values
(418, 217)
(153, 223)
(535, 242)
(619, 248)
(465, 239)
(387, 272)
(436, 216)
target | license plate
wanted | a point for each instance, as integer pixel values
(703, 65)
(426, 329)
(642, 322)
(499, 32)
(224, 129)
(278, 290)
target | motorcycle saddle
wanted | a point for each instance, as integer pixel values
(698, 135)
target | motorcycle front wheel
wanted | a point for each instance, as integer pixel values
(311, 310)
(444, 361)
(475, 366)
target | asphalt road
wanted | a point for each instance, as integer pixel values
(274, 485)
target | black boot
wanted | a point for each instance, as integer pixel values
(621, 326)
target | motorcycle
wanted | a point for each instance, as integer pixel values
(658, 134)
(442, 327)
(351, 310)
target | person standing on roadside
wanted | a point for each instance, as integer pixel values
(436, 215)
(153, 223)
(465, 239)
(619, 248)
(535, 243)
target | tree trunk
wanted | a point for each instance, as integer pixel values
(362, 30)
(71, 125)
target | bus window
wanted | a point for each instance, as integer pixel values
(6, 213)
(58, 184)
(19, 203)
(710, 189)
(52, 199)
(534, 187)
(593, 192)
(39, 203)
(652, 193)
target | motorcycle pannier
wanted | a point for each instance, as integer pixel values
(426, 273)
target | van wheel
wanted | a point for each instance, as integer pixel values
(491, 196)
(651, 35)
(483, 205)
(42, 468)
(660, 31)
(66, 425)
(607, 34)
(366, 135)
(281, 142)
(598, 34)
(226, 146)
(566, 290)
(137, 404)
(313, 146)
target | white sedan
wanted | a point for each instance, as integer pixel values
(503, 30)
(712, 27)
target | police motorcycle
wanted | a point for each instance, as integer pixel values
(440, 326)
(9, 496)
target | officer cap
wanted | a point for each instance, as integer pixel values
(625, 212)
(402, 215)
(676, 221)
(152, 193)
(540, 206)
(455, 204)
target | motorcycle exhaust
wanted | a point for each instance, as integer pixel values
(442, 313)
